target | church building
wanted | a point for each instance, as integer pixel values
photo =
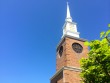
(69, 51)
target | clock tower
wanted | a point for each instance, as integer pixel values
(69, 51)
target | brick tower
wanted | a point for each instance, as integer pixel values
(70, 50)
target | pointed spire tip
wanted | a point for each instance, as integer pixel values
(67, 3)
(68, 17)
(68, 10)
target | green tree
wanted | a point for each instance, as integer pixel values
(96, 68)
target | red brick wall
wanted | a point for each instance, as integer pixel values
(61, 61)
(69, 56)
(71, 76)
(60, 80)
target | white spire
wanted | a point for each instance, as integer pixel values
(68, 17)
(70, 28)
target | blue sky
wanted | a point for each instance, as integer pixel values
(31, 29)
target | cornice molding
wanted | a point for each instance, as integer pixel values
(68, 36)
(66, 68)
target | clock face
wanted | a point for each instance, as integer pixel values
(61, 51)
(77, 47)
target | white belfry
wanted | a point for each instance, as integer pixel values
(70, 27)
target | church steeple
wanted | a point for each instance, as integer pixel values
(70, 28)
(69, 52)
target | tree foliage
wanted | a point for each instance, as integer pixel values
(96, 68)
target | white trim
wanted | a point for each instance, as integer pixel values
(66, 68)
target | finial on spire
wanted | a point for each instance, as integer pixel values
(67, 1)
